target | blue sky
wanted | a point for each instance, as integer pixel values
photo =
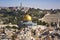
(42, 4)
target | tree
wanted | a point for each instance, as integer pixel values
(8, 27)
(47, 24)
(43, 23)
(39, 22)
(14, 27)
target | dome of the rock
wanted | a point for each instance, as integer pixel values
(27, 17)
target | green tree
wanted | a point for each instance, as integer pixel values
(14, 27)
(44, 23)
(8, 27)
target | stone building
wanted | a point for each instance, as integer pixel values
(27, 21)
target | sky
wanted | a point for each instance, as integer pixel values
(42, 4)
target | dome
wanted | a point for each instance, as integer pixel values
(27, 17)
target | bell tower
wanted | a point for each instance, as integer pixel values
(20, 5)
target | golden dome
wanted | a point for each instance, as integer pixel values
(27, 17)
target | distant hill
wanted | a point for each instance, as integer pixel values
(51, 18)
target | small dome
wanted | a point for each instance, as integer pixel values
(27, 17)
